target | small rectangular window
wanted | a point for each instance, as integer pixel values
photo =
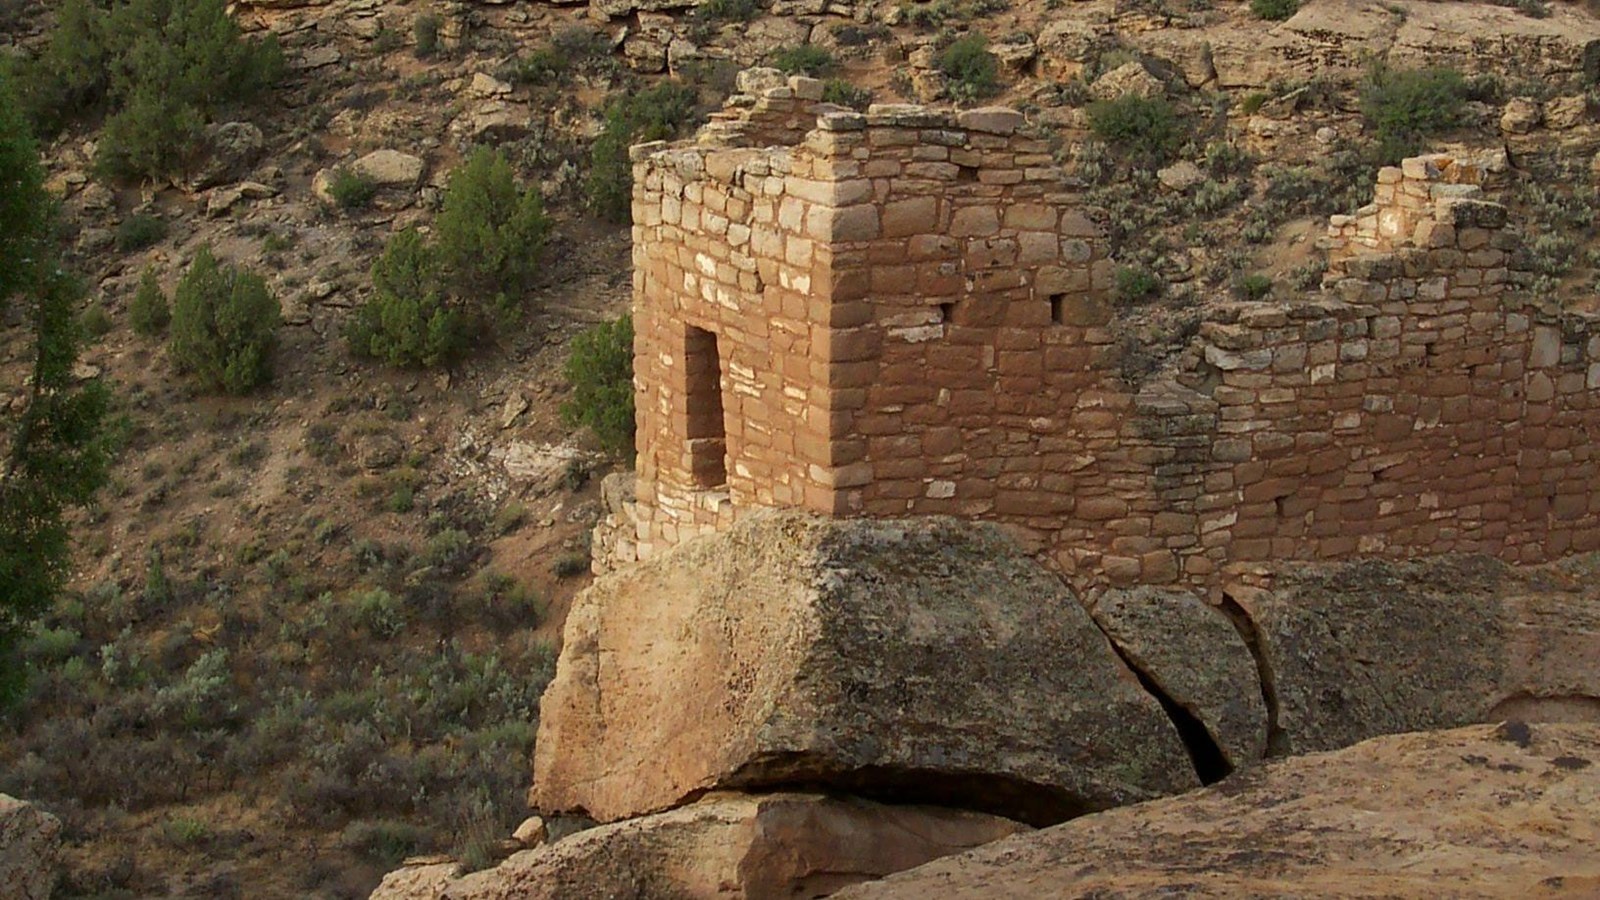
(1058, 305)
(706, 431)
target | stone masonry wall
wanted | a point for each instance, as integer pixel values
(904, 313)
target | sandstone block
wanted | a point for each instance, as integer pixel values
(1479, 812)
(732, 846)
(793, 649)
(390, 168)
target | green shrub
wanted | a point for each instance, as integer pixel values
(149, 313)
(408, 321)
(159, 69)
(1274, 10)
(1136, 284)
(378, 611)
(1253, 287)
(970, 70)
(658, 113)
(1145, 127)
(570, 565)
(351, 189)
(728, 10)
(806, 59)
(425, 30)
(544, 66)
(95, 321)
(490, 233)
(224, 326)
(1403, 108)
(139, 232)
(843, 93)
(600, 371)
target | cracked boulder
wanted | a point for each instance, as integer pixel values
(922, 660)
(1489, 811)
(725, 845)
(1375, 647)
(1191, 654)
(30, 844)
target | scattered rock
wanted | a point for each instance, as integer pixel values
(1128, 79)
(1181, 176)
(232, 149)
(317, 58)
(390, 168)
(485, 85)
(30, 844)
(1192, 654)
(516, 405)
(221, 200)
(417, 881)
(1564, 113)
(532, 832)
(1461, 813)
(923, 658)
(735, 846)
(1521, 116)
(378, 451)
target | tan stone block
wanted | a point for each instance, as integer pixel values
(1030, 217)
(975, 221)
(916, 215)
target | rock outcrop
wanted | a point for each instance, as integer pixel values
(30, 842)
(921, 659)
(725, 845)
(1486, 811)
(1374, 647)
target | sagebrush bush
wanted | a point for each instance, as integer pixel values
(970, 70)
(425, 31)
(1274, 10)
(1147, 128)
(1136, 284)
(139, 232)
(224, 326)
(160, 70)
(600, 371)
(149, 313)
(1405, 107)
(351, 189)
(805, 59)
(658, 113)
(842, 92)
(1253, 287)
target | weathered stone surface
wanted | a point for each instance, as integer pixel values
(30, 842)
(1486, 811)
(1371, 647)
(1521, 116)
(733, 845)
(390, 168)
(1181, 176)
(416, 882)
(1128, 80)
(1194, 656)
(231, 149)
(923, 658)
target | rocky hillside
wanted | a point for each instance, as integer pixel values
(310, 625)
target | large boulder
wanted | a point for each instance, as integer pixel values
(926, 659)
(1375, 647)
(1485, 811)
(30, 843)
(728, 846)
(1193, 655)
(231, 150)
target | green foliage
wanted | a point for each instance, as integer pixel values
(1146, 127)
(139, 232)
(54, 448)
(728, 10)
(806, 59)
(543, 67)
(842, 92)
(1253, 287)
(1136, 284)
(432, 299)
(224, 326)
(600, 370)
(160, 70)
(490, 233)
(425, 30)
(659, 113)
(1406, 107)
(970, 70)
(408, 321)
(1273, 10)
(351, 189)
(378, 611)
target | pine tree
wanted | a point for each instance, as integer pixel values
(54, 448)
